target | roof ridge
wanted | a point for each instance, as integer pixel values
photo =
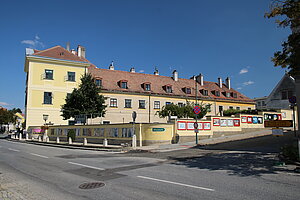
(41, 51)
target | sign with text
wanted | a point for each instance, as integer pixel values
(279, 123)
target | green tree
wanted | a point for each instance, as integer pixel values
(289, 13)
(185, 111)
(84, 100)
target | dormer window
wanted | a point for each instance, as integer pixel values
(204, 92)
(168, 88)
(123, 84)
(227, 94)
(188, 90)
(147, 86)
(234, 95)
(217, 93)
(98, 82)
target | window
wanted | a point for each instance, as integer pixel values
(180, 104)
(263, 103)
(217, 93)
(258, 103)
(238, 108)
(290, 93)
(48, 74)
(147, 86)
(168, 88)
(204, 92)
(47, 97)
(127, 103)
(98, 82)
(249, 108)
(156, 104)
(227, 94)
(123, 84)
(221, 110)
(234, 95)
(142, 104)
(113, 102)
(284, 95)
(188, 90)
(230, 107)
(71, 76)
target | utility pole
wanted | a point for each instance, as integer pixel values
(196, 115)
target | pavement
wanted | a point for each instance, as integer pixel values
(241, 169)
(151, 148)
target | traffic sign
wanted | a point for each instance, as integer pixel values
(197, 110)
(292, 99)
(196, 130)
(279, 123)
(196, 125)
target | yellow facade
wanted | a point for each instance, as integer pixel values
(37, 84)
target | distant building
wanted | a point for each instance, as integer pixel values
(54, 72)
(279, 97)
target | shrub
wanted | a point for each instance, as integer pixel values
(71, 134)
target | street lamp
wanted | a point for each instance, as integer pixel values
(45, 118)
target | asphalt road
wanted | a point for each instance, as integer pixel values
(237, 170)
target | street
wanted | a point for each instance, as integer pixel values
(235, 170)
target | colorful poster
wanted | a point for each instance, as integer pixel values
(236, 122)
(206, 125)
(244, 119)
(216, 121)
(254, 120)
(229, 122)
(190, 125)
(223, 122)
(200, 126)
(249, 120)
(181, 125)
(259, 120)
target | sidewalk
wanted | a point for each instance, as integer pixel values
(210, 141)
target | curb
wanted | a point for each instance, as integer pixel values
(68, 146)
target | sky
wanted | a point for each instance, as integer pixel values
(216, 38)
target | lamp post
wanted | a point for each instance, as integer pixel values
(45, 118)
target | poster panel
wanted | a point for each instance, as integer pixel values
(254, 120)
(249, 120)
(244, 119)
(190, 125)
(229, 122)
(206, 126)
(236, 122)
(181, 125)
(223, 122)
(216, 121)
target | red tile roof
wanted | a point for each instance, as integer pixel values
(59, 52)
(135, 81)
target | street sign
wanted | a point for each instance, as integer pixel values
(158, 129)
(196, 125)
(279, 123)
(197, 110)
(292, 99)
(196, 130)
(277, 131)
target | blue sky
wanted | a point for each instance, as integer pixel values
(216, 38)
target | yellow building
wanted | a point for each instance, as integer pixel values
(51, 75)
(54, 72)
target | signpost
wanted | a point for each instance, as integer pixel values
(134, 136)
(279, 123)
(293, 101)
(197, 111)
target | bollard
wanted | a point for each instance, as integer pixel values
(20, 136)
(57, 140)
(84, 141)
(70, 140)
(13, 136)
(105, 143)
(17, 137)
(39, 138)
(134, 141)
(47, 139)
(26, 137)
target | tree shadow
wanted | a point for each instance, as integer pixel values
(239, 164)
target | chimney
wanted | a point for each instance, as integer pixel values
(111, 66)
(81, 51)
(68, 46)
(220, 82)
(193, 77)
(228, 84)
(200, 79)
(73, 51)
(156, 71)
(175, 75)
(132, 70)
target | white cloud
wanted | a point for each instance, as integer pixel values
(243, 71)
(141, 71)
(33, 43)
(239, 88)
(248, 83)
(4, 104)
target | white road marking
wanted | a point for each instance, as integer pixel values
(13, 149)
(86, 166)
(39, 155)
(175, 183)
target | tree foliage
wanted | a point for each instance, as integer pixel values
(8, 116)
(289, 13)
(84, 100)
(185, 111)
